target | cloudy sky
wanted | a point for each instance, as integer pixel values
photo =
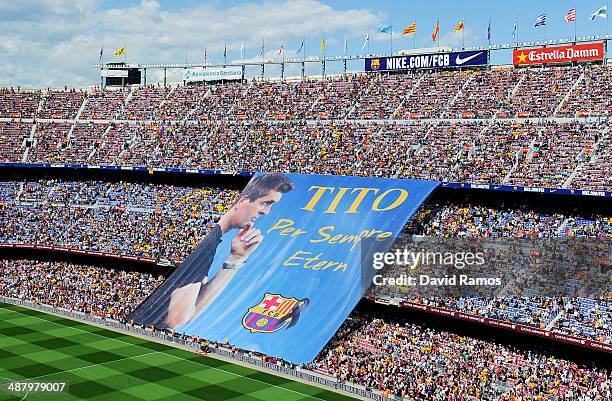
(56, 42)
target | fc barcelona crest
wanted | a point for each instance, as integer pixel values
(375, 63)
(273, 313)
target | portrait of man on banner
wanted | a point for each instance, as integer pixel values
(188, 292)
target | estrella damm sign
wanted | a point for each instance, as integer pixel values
(559, 54)
(273, 313)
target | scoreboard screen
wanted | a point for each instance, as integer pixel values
(119, 75)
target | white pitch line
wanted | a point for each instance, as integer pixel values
(95, 364)
(173, 356)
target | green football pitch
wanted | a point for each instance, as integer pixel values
(100, 364)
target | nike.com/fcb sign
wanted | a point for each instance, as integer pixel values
(420, 61)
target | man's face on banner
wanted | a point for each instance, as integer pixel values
(248, 211)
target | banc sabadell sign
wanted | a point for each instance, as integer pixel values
(433, 61)
(212, 74)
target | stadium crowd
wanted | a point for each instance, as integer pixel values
(585, 317)
(107, 293)
(500, 92)
(471, 220)
(551, 154)
(167, 222)
(419, 362)
(159, 221)
(323, 126)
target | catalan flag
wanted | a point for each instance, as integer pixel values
(459, 26)
(434, 35)
(410, 29)
(120, 51)
(322, 48)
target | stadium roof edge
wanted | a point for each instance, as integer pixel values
(316, 59)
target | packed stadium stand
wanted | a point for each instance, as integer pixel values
(422, 362)
(207, 126)
(93, 290)
(158, 221)
(544, 127)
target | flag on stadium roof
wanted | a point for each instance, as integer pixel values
(302, 45)
(242, 50)
(386, 29)
(366, 41)
(281, 49)
(541, 20)
(322, 48)
(262, 47)
(489, 32)
(410, 29)
(434, 35)
(101, 54)
(515, 27)
(571, 15)
(120, 51)
(459, 26)
(601, 13)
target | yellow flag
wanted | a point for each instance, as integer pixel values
(120, 51)
(459, 26)
(410, 29)
(322, 44)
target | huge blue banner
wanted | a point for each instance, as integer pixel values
(429, 61)
(282, 269)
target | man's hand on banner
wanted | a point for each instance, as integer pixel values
(244, 243)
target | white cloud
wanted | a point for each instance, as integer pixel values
(456, 39)
(53, 43)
